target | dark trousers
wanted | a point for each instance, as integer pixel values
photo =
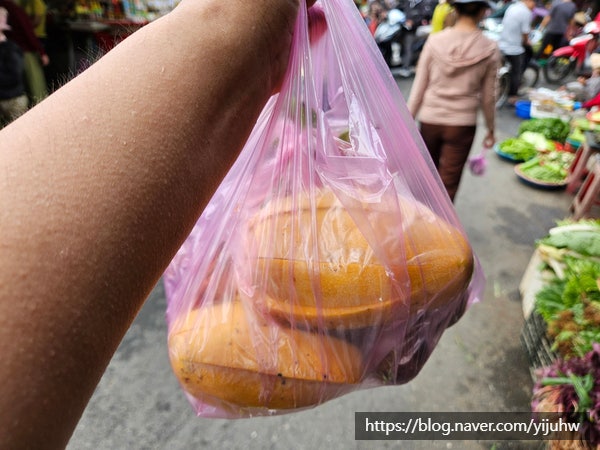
(516, 72)
(408, 42)
(556, 40)
(449, 147)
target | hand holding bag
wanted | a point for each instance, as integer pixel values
(330, 258)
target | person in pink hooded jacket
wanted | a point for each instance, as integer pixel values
(455, 78)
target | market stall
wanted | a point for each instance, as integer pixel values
(557, 147)
(561, 301)
(94, 27)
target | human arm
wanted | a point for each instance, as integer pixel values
(544, 22)
(101, 183)
(488, 99)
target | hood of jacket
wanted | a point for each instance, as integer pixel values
(457, 49)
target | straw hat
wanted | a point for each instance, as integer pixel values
(3, 18)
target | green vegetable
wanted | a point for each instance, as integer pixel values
(569, 302)
(552, 128)
(571, 306)
(576, 135)
(583, 238)
(538, 140)
(582, 384)
(549, 173)
(518, 149)
(551, 167)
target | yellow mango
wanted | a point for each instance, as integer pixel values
(228, 355)
(319, 269)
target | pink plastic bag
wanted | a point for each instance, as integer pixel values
(478, 163)
(330, 259)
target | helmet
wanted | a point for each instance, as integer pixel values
(592, 28)
(395, 16)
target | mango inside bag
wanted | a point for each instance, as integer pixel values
(229, 356)
(320, 270)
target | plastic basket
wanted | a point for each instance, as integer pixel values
(523, 109)
(534, 339)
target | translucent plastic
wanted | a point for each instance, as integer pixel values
(478, 163)
(330, 259)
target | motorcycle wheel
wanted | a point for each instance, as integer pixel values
(557, 69)
(531, 76)
(502, 89)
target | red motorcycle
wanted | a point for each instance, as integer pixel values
(572, 58)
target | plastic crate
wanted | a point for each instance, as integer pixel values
(537, 346)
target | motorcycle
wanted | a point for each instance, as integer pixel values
(529, 79)
(492, 28)
(573, 58)
(388, 36)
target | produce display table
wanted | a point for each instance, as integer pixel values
(579, 169)
(560, 288)
(588, 194)
(561, 335)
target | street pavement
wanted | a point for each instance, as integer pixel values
(479, 364)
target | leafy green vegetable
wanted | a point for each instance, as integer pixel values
(518, 149)
(584, 242)
(550, 167)
(569, 302)
(571, 306)
(582, 237)
(549, 301)
(552, 128)
(547, 172)
(538, 140)
(582, 281)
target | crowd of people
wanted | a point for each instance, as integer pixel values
(38, 51)
(455, 74)
(23, 59)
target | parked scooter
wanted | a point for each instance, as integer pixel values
(388, 33)
(573, 58)
(388, 37)
(492, 27)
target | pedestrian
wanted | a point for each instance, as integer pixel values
(36, 11)
(13, 100)
(586, 88)
(376, 15)
(34, 54)
(418, 12)
(101, 184)
(514, 42)
(443, 16)
(455, 78)
(556, 24)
